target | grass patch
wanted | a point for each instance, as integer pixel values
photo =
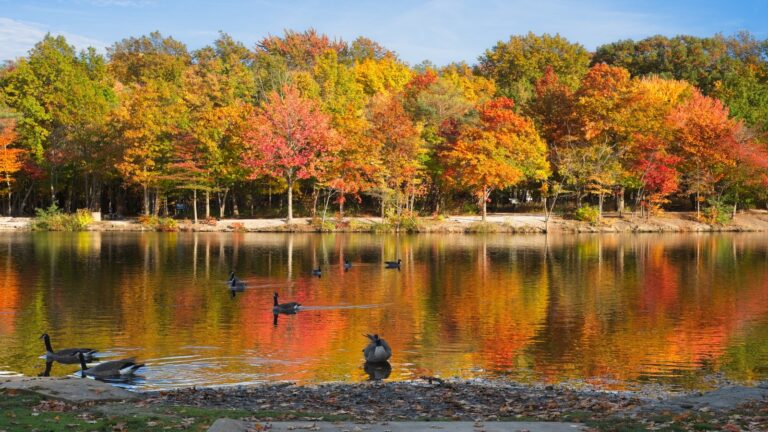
(22, 410)
(53, 219)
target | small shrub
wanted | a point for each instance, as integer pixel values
(167, 225)
(717, 213)
(406, 221)
(237, 227)
(483, 228)
(148, 220)
(358, 226)
(322, 226)
(588, 214)
(381, 227)
(53, 219)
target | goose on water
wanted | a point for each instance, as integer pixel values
(378, 350)
(234, 283)
(317, 272)
(393, 264)
(291, 307)
(347, 265)
(111, 369)
(67, 355)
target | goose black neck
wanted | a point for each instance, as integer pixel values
(232, 276)
(47, 341)
(378, 342)
(275, 298)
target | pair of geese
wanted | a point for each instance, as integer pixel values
(348, 265)
(109, 369)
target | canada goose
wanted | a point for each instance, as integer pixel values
(347, 265)
(67, 355)
(236, 285)
(393, 264)
(110, 369)
(317, 272)
(377, 351)
(291, 307)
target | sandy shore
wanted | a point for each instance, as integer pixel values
(748, 221)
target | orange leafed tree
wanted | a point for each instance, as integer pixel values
(706, 139)
(503, 150)
(289, 138)
(10, 158)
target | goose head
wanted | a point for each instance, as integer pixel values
(231, 276)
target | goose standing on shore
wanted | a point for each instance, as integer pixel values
(291, 307)
(111, 369)
(378, 350)
(67, 355)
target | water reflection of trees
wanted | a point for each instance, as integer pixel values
(531, 307)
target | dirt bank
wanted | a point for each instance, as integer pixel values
(748, 221)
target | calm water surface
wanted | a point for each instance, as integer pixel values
(615, 310)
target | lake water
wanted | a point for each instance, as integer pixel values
(613, 310)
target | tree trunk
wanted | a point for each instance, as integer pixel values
(600, 206)
(289, 219)
(146, 200)
(341, 203)
(235, 209)
(222, 202)
(194, 205)
(620, 201)
(156, 204)
(485, 204)
(698, 205)
(207, 204)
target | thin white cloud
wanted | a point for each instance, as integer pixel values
(17, 38)
(121, 3)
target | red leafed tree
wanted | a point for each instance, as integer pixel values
(10, 158)
(289, 138)
(659, 174)
(706, 140)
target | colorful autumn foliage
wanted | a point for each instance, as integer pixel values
(151, 126)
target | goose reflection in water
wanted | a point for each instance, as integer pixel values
(377, 371)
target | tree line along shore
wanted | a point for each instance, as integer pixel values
(339, 129)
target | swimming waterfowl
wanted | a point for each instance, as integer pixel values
(236, 285)
(291, 307)
(110, 369)
(378, 350)
(317, 272)
(67, 355)
(347, 265)
(393, 264)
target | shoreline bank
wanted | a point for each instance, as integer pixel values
(513, 223)
(729, 407)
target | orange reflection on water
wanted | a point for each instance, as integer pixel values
(612, 309)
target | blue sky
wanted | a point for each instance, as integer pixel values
(440, 30)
